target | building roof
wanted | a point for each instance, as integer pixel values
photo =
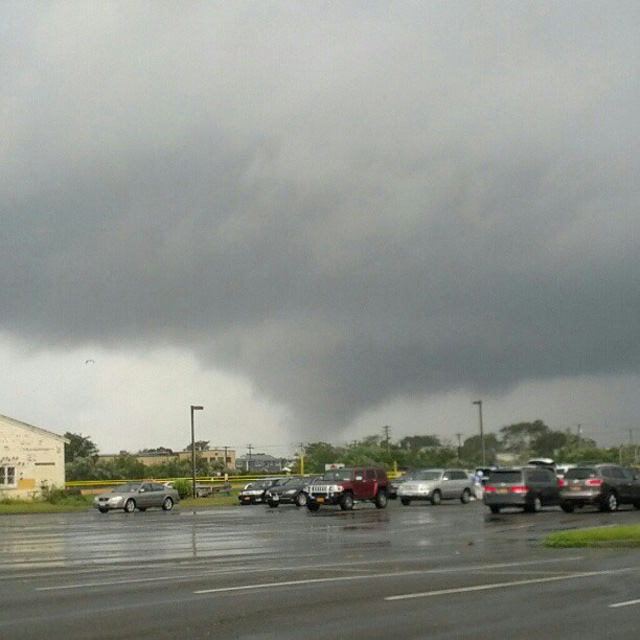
(260, 457)
(29, 427)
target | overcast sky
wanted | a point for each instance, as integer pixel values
(318, 218)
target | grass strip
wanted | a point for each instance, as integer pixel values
(86, 502)
(624, 536)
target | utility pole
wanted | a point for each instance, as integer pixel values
(193, 450)
(484, 457)
(250, 447)
(386, 429)
(459, 436)
(302, 458)
(225, 456)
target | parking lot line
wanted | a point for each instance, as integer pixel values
(354, 566)
(373, 576)
(503, 585)
(624, 604)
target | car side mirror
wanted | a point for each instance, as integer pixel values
(141, 490)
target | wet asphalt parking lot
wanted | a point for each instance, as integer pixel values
(452, 571)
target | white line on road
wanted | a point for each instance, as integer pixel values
(372, 576)
(320, 567)
(624, 604)
(503, 585)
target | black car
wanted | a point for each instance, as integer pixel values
(288, 491)
(254, 493)
(529, 488)
(605, 486)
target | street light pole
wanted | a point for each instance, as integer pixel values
(193, 450)
(484, 457)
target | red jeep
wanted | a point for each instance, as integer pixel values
(348, 486)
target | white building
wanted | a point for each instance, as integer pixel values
(30, 458)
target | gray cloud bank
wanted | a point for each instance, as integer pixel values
(345, 202)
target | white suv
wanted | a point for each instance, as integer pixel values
(437, 485)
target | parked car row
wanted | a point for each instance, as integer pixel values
(346, 487)
(605, 486)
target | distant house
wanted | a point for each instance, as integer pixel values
(260, 463)
(30, 458)
(214, 455)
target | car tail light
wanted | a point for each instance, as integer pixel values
(489, 489)
(520, 489)
(594, 483)
(562, 483)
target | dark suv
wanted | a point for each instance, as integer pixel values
(530, 488)
(345, 487)
(603, 485)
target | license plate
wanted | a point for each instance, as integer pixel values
(319, 499)
(502, 491)
(246, 499)
(576, 488)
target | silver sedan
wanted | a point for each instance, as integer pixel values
(137, 495)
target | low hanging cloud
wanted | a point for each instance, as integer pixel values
(346, 204)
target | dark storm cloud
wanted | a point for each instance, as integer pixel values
(345, 203)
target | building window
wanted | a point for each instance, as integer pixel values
(7, 476)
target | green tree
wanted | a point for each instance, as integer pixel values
(317, 454)
(549, 443)
(200, 445)
(518, 438)
(79, 446)
(471, 450)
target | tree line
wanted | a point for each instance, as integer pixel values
(82, 462)
(517, 443)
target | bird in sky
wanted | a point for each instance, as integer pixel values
(89, 361)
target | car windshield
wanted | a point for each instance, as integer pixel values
(262, 484)
(428, 475)
(338, 474)
(130, 487)
(508, 477)
(580, 473)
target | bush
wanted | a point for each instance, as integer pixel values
(52, 495)
(183, 487)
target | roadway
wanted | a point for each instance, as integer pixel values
(451, 571)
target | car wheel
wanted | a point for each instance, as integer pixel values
(380, 500)
(494, 509)
(167, 505)
(301, 500)
(636, 504)
(405, 501)
(567, 507)
(313, 506)
(103, 510)
(534, 506)
(610, 502)
(130, 505)
(272, 503)
(346, 502)
(465, 498)
(436, 498)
